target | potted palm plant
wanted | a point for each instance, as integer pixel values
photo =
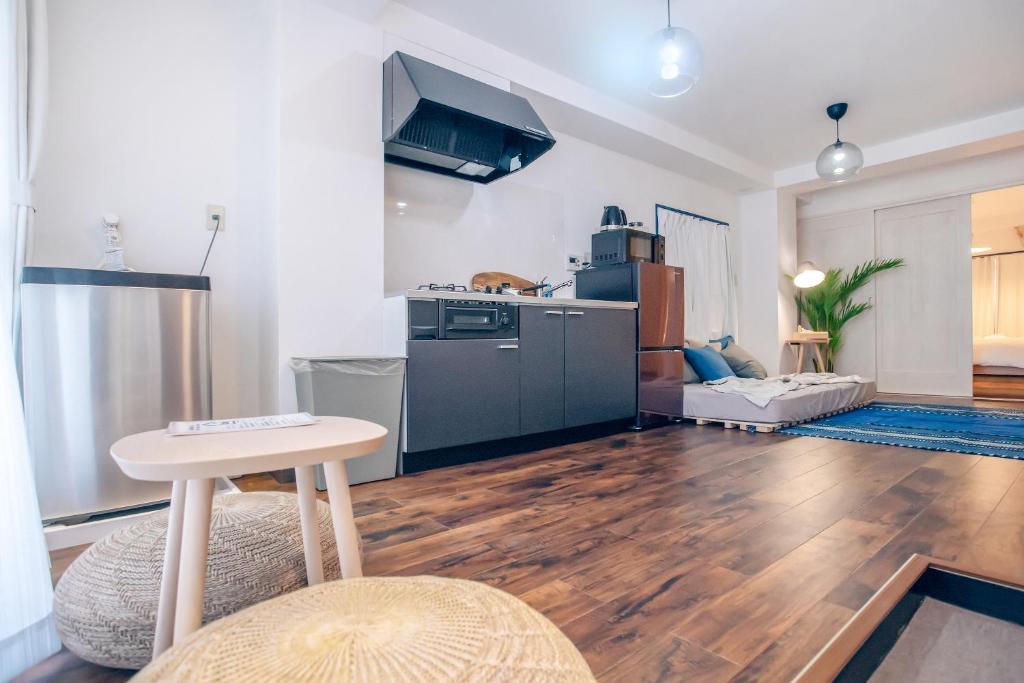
(829, 306)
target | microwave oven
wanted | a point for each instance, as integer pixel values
(626, 245)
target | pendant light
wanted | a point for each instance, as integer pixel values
(676, 59)
(840, 160)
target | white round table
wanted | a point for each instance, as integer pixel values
(199, 459)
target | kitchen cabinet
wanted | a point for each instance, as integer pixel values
(600, 365)
(542, 368)
(577, 366)
(461, 392)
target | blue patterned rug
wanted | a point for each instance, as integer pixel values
(981, 431)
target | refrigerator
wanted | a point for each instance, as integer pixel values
(658, 291)
(106, 354)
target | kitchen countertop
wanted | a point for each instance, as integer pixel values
(507, 298)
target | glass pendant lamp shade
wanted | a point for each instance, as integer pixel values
(839, 161)
(676, 61)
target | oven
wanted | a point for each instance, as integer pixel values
(471, 319)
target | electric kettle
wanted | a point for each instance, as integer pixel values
(613, 217)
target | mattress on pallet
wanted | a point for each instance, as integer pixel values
(808, 403)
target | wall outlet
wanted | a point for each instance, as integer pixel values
(573, 262)
(213, 212)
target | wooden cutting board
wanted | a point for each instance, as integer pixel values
(495, 279)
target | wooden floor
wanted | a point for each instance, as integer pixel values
(686, 553)
(999, 386)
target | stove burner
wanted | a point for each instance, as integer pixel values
(444, 288)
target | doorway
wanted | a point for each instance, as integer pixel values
(997, 287)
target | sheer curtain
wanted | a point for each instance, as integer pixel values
(998, 295)
(984, 276)
(702, 249)
(27, 634)
(1010, 320)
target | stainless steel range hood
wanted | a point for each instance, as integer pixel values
(440, 121)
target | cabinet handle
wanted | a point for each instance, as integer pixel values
(575, 312)
(509, 346)
(552, 312)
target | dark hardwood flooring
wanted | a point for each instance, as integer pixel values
(685, 553)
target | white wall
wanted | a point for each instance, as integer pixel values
(157, 109)
(846, 241)
(330, 237)
(528, 222)
(767, 255)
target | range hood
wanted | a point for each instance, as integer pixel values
(440, 121)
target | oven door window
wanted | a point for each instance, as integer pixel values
(471, 319)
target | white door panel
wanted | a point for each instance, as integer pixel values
(923, 310)
(846, 241)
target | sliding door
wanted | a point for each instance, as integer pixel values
(845, 241)
(923, 310)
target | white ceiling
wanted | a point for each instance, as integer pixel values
(772, 66)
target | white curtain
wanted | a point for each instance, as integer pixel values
(27, 634)
(984, 275)
(998, 295)
(702, 248)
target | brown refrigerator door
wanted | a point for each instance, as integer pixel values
(661, 306)
(660, 389)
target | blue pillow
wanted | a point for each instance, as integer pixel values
(724, 341)
(708, 363)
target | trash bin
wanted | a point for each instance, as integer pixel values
(365, 387)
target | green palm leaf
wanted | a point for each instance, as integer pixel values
(829, 306)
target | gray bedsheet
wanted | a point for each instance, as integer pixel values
(796, 406)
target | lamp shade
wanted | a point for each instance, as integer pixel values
(839, 161)
(676, 60)
(808, 275)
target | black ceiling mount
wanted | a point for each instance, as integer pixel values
(836, 111)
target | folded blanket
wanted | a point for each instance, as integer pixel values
(760, 392)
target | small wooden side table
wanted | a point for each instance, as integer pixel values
(193, 462)
(801, 344)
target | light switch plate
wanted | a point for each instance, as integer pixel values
(211, 222)
(573, 262)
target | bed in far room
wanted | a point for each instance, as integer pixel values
(999, 366)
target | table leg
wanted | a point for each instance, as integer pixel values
(345, 532)
(164, 634)
(820, 357)
(800, 358)
(305, 484)
(195, 541)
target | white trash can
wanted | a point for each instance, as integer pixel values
(364, 387)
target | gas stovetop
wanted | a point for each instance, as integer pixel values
(444, 288)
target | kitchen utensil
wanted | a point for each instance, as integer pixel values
(554, 288)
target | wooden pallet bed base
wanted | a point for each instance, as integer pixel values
(768, 427)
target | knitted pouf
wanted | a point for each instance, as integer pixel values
(422, 628)
(105, 604)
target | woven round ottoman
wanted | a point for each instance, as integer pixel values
(105, 604)
(422, 628)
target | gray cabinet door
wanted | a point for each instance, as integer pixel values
(600, 365)
(541, 368)
(461, 391)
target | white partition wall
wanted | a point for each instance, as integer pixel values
(846, 241)
(923, 311)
